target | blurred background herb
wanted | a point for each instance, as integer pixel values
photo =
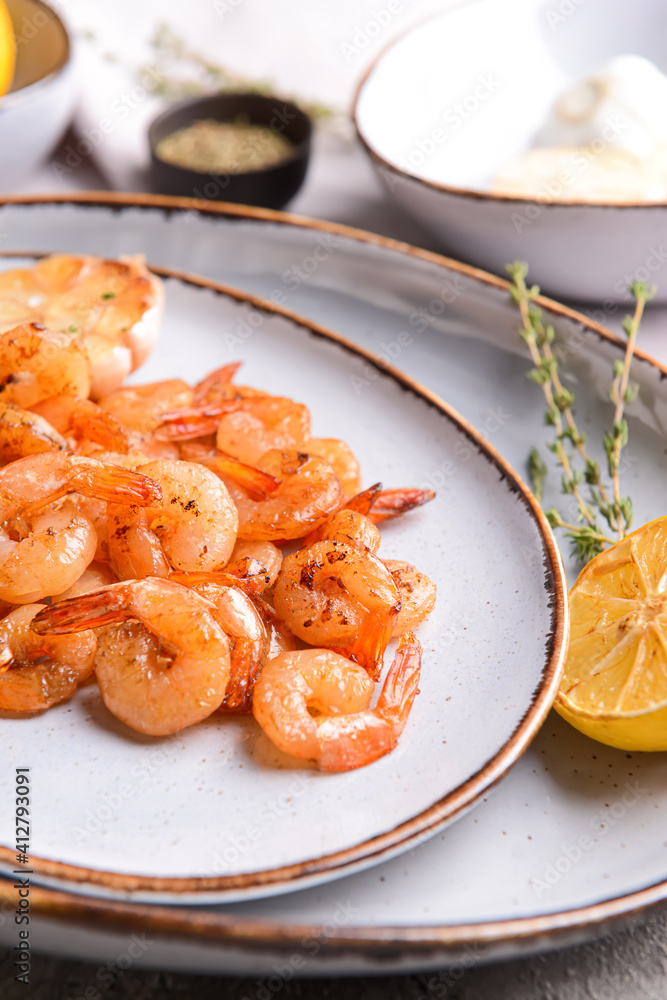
(186, 72)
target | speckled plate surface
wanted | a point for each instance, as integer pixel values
(216, 812)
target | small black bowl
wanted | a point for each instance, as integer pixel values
(270, 187)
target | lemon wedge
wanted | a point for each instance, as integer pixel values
(614, 686)
(7, 49)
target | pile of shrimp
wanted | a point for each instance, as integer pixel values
(196, 551)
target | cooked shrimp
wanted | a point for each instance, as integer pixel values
(257, 484)
(334, 595)
(83, 423)
(248, 575)
(150, 447)
(59, 544)
(5, 608)
(40, 479)
(96, 429)
(243, 625)
(346, 733)
(308, 491)
(350, 527)
(383, 505)
(256, 632)
(130, 461)
(142, 448)
(247, 427)
(112, 308)
(280, 638)
(164, 665)
(97, 513)
(216, 384)
(50, 545)
(141, 407)
(342, 460)
(110, 363)
(248, 611)
(194, 528)
(36, 363)
(96, 576)
(354, 529)
(417, 594)
(201, 420)
(355, 521)
(192, 417)
(40, 670)
(261, 425)
(25, 433)
(89, 427)
(266, 554)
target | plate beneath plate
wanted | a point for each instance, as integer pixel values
(472, 892)
(216, 812)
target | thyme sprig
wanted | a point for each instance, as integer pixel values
(581, 477)
(623, 391)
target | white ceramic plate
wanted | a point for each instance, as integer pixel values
(457, 97)
(216, 812)
(471, 893)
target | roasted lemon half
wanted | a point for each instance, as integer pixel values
(614, 686)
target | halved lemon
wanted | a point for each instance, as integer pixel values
(7, 49)
(614, 686)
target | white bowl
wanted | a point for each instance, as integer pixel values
(458, 96)
(38, 108)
